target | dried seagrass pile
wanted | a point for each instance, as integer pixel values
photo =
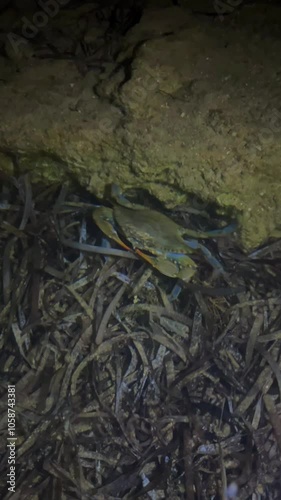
(119, 392)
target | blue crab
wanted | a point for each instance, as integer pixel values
(154, 237)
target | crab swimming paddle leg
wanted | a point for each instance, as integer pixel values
(195, 245)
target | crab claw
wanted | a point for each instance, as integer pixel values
(173, 265)
(103, 218)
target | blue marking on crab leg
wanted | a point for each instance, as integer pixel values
(223, 231)
(195, 245)
(116, 192)
(175, 292)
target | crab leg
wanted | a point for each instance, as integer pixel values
(159, 262)
(195, 245)
(215, 233)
